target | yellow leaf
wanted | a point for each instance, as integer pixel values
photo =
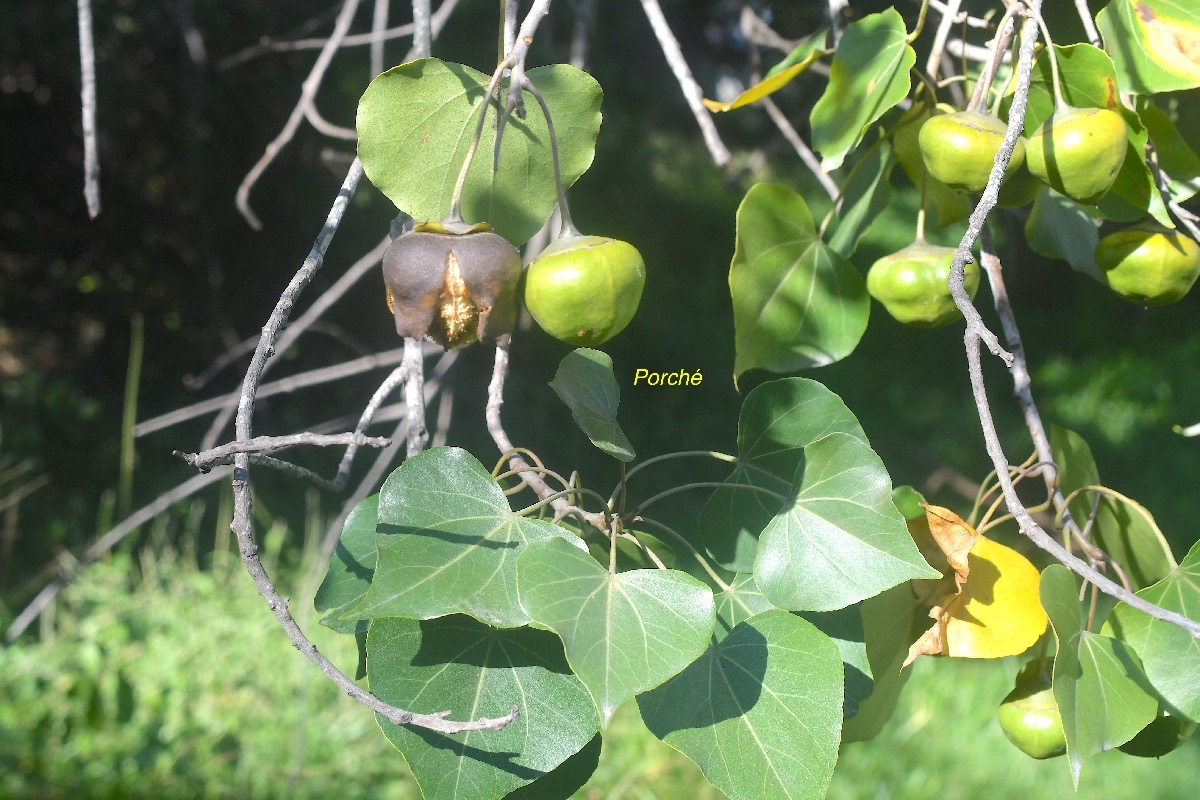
(994, 610)
(766, 86)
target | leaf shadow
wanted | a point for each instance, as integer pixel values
(496, 648)
(449, 537)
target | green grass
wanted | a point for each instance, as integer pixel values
(158, 679)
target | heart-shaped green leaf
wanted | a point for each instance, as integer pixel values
(1153, 42)
(841, 539)
(350, 568)
(416, 122)
(741, 601)
(797, 303)
(1175, 156)
(448, 543)
(585, 382)
(1103, 695)
(866, 193)
(625, 632)
(1170, 654)
(869, 75)
(777, 421)
(760, 712)
(472, 670)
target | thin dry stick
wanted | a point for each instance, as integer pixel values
(949, 11)
(242, 526)
(106, 542)
(977, 332)
(683, 74)
(87, 71)
(836, 9)
(806, 155)
(308, 91)
(1089, 25)
(379, 20)
(306, 320)
(269, 444)
(283, 386)
(422, 29)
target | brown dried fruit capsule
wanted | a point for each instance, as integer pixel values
(455, 288)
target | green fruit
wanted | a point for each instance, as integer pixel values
(943, 205)
(1029, 714)
(1079, 151)
(960, 148)
(1164, 734)
(1149, 264)
(912, 284)
(455, 288)
(585, 289)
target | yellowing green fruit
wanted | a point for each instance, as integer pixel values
(1164, 734)
(912, 284)
(1029, 714)
(1149, 264)
(1078, 152)
(455, 288)
(960, 148)
(943, 205)
(585, 289)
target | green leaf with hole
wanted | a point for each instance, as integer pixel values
(460, 665)
(1154, 43)
(797, 303)
(840, 539)
(624, 632)
(448, 543)
(585, 382)
(760, 712)
(869, 76)
(1101, 689)
(350, 567)
(416, 123)
(1170, 654)
(777, 421)
(1119, 530)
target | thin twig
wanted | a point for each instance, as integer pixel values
(308, 90)
(838, 10)
(242, 526)
(269, 444)
(692, 92)
(806, 155)
(948, 11)
(105, 543)
(1089, 24)
(422, 29)
(87, 73)
(977, 332)
(379, 20)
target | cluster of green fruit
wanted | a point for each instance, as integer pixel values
(1030, 718)
(1078, 152)
(459, 284)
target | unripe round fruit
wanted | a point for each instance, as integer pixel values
(1149, 264)
(1078, 152)
(943, 205)
(455, 288)
(1029, 714)
(960, 148)
(584, 290)
(912, 284)
(1164, 734)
